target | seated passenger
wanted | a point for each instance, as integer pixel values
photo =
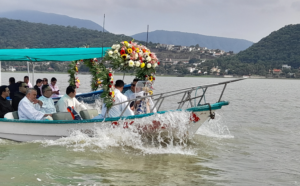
(54, 87)
(26, 80)
(38, 87)
(19, 95)
(13, 87)
(116, 110)
(45, 81)
(5, 106)
(130, 93)
(29, 107)
(48, 103)
(141, 106)
(69, 100)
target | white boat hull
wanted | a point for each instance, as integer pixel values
(18, 131)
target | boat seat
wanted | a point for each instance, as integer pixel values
(62, 116)
(15, 114)
(89, 113)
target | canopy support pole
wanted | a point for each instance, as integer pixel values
(0, 74)
(32, 73)
(27, 68)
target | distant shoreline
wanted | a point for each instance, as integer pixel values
(130, 74)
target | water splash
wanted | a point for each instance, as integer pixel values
(144, 137)
(215, 128)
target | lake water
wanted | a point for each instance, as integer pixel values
(253, 141)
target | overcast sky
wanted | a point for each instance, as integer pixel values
(244, 19)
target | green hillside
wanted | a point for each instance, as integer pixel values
(21, 34)
(280, 47)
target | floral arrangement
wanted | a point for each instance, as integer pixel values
(106, 81)
(73, 70)
(101, 77)
(131, 56)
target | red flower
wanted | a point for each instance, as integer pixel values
(130, 42)
(109, 86)
(153, 78)
(112, 82)
(141, 58)
(109, 74)
(110, 93)
(158, 63)
(146, 76)
(92, 60)
(122, 52)
(133, 49)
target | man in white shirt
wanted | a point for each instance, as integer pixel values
(29, 107)
(116, 110)
(69, 100)
(48, 106)
(26, 80)
(54, 87)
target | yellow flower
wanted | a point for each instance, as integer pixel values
(129, 50)
(78, 81)
(124, 56)
(111, 78)
(137, 50)
(150, 92)
(142, 65)
(76, 69)
(113, 94)
(126, 43)
(150, 78)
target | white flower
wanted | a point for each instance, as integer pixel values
(128, 56)
(148, 65)
(154, 65)
(110, 53)
(116, 47)
(131, 63)
(137, 64)
(148, 58)
(116, 51)
(122, 64)
(110, 90)
(129, 46)
(136, 55)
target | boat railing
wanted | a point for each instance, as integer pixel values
(186, 98)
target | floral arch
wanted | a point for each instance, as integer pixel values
(123, 57)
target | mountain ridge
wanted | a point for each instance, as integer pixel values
(188, 39)
(50, 18)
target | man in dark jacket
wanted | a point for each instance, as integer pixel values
(13, 87)
(5, 106)
(19, 95)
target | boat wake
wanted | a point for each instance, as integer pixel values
(215, 128)
(135, 137)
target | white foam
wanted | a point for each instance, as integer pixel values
(215, 128)
(171, 141)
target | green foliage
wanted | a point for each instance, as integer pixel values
(280, 47)
(21, 34)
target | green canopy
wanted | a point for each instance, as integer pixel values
(51, 54)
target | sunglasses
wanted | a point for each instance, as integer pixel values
(133, 85)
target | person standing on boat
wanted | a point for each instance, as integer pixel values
(48, 106)
(5, 106)
(117, 110)
(26, 80)
(54, 87)
(38, 87)
(29, 107)
(69, 100)
(19, 95)
(13, 87)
